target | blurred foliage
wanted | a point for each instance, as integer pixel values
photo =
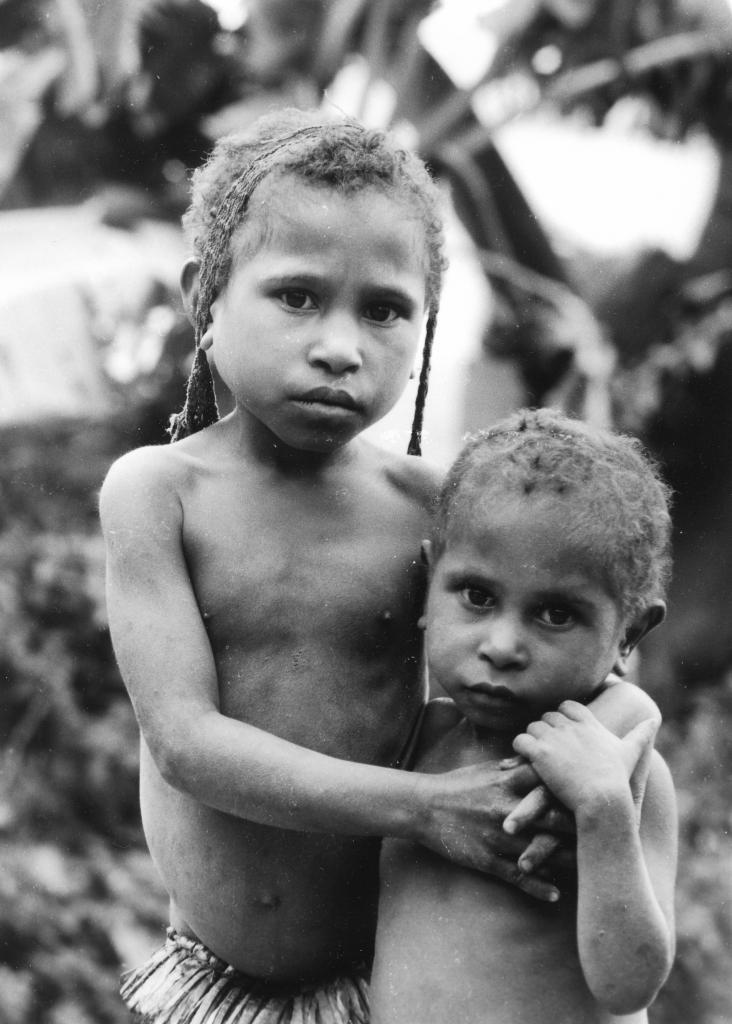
(698, 748)
(78, 893)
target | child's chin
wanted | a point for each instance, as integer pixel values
(499, 722)
(318, 444)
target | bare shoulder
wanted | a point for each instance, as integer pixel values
(631, 697)
(417, 478)
(138, 482)
(149, 481)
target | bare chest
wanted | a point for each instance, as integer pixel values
(289, 564)
(311, 601)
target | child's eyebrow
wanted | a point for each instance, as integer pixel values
(569, 594)
(463, 574)
(389, 293)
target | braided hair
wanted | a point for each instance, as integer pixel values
(339, 154)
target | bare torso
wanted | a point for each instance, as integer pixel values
(457, 945)
(310, 590)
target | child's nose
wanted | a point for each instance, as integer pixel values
(337, 345)
(502, 642)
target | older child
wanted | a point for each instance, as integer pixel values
(265, 585)
(547, 567)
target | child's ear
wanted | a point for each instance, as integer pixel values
(189, 282)
(641, 626)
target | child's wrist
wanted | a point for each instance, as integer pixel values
(611, 803)
(420, 815)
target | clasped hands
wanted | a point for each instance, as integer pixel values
(503, 820)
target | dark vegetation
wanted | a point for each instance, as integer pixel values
(78, 893)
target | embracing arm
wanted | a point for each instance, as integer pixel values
(166, 661)
(626, 872)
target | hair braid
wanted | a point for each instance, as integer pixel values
(200, 409)
(415, 440)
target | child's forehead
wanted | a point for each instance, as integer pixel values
(284, 194)
(538, 542)
(287, 209)
(558, 521)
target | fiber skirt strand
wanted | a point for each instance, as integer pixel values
(184, 983)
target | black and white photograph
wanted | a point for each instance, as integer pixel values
(365, 511)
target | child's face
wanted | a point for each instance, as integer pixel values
(317, 328)
(518, 618)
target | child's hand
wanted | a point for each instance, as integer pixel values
(537, 809)
(578, 759)
(468, 806)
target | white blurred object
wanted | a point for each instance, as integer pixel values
(611, 192)
(232, 13)
(456, 37)
(464, 36)
(69, 288)
(356, 92)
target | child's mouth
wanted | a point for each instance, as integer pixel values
(334, 397)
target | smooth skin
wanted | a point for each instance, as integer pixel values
(520, 632)
(264, 590)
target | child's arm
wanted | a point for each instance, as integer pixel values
(166, 661)
(619, 706)
(626, 873)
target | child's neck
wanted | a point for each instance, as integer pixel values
(495, 742)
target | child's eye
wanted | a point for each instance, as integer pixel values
(477, 597)
(297, 298)
(381, 313)
(556, 616)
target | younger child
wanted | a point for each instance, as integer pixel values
(265, 586)
(547, 567)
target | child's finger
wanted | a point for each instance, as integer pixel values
(541, 847)
(558, 820)
(538, 888)
(511, 762)
(532, 885)
(530, 809)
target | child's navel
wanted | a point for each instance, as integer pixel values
(266, 901)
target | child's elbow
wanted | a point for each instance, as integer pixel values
(170, 766)
(171, 755)
(626, 1002)
(639, 987)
